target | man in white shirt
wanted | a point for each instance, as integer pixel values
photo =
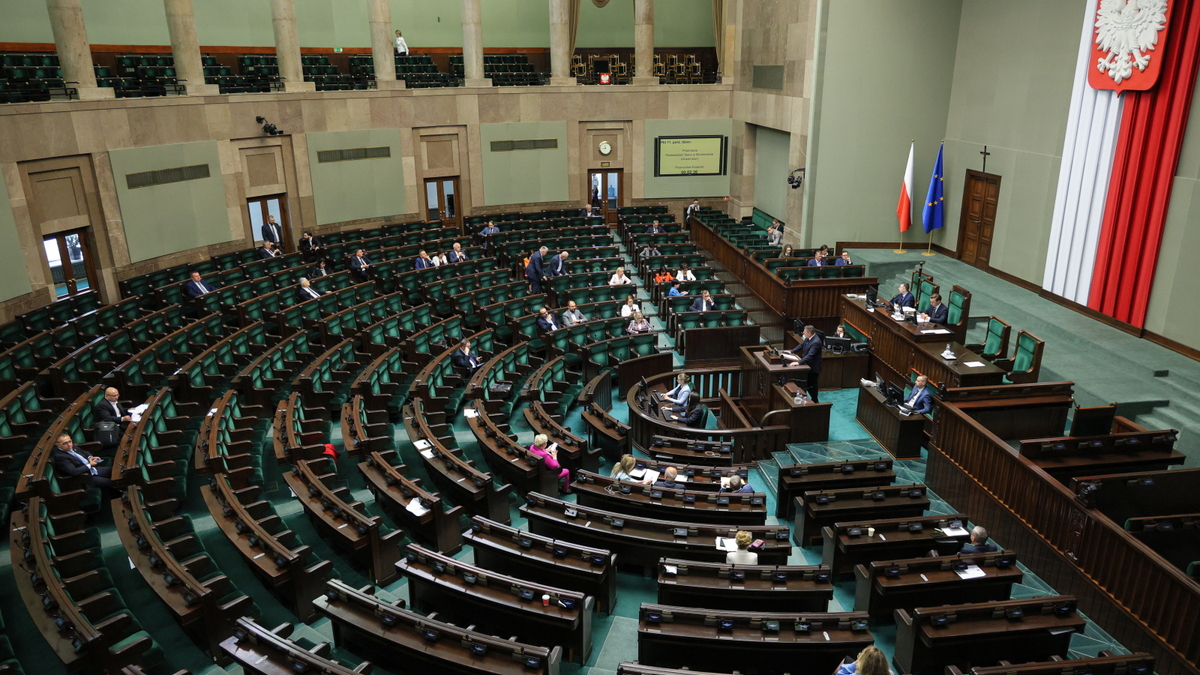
(691, 210)
(572, 316)
(401, 45)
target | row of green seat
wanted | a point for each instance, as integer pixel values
(197, 380)
(152, 454)
(672, 262)
(681, 321)
(324, 383)
(439, 386)
(151, 366)
(526, 230)
(499, 381)
(264, 380)
(826, 272)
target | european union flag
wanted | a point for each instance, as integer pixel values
(933, 215)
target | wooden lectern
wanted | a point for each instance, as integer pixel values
(774, 404)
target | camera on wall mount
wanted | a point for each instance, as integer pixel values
(268, 128)
(796, 178)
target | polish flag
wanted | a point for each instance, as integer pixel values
(904, 208)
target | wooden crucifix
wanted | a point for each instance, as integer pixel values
(985, 154)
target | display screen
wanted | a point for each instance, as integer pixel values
(690, 156)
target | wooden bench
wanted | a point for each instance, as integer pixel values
(269, 652)
(884, 586)
(363, 622)
(691, 451)
(1106, 663)
(796, 479)
(396, 493)
(770, 588)
(472, 595)
(512, 461)
(697, 477)
(1129, 447)
(227, 440)
(850, 543)
(1122, 496)
(505, 549)
(815, 510)
(652, 501)
(1171, 536)
(801, 643)
(605, 432)
(928, 639)
(642, 541)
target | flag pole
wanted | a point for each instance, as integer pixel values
(929, 250)
(901, 249)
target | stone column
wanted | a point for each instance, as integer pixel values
(383, 45)
(473, 45)
(643, 41)
(181, 24)
(74, 52)
(560, 43)
(287, 46)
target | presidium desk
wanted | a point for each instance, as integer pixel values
(899, 348)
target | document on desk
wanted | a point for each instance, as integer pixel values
(422, 444)
(954, 531)
(471, 413)
(638, 473)
(414, 507)
(974, 364)
(649, 475)
(427, 453)
(726, 544)
(671, 569)
(935, 331)
(972, 572)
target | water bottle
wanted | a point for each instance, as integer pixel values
(799, 397)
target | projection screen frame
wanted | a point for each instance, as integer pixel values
(658, 154)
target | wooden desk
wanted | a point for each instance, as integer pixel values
(269, 652)
(591, 571)
(899, 435)
(899, 501)
(796, 479)
(693, 638)
(1107, 663)
(769, 588)
(838, 371)
(930, 582)
(977, 637)
(649, 501)
(893, 540)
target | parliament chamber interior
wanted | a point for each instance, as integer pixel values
(599, 337)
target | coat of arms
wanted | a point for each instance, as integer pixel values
(1128, 44)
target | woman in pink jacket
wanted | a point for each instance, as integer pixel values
(550, 456)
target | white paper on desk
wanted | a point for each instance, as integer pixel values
(670, 569)
(638, 472)
(726, 544)
(427, 454)
(650, 475)
(471, 413)
(422, 444)
(135, 413)
(211, 412)
(972, 572)
(974, 364)
(1060, 631)
(725, 481)
(552, 448)
(935, 331)
(414, 507)
(954, 531)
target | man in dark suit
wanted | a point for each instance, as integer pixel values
(360, 266)
(844, 260)
(268, 250)
(306, 292)
(703, 303)
(920, 399)
(904, 298)
(272, 232)
(487, 232)
(808, 353)
(463, 357)
(534, 271)
(456, 254)
(547, 321)
(655, 228)
(422, 262)
(311, 247)
(587, 212)
(736, 485)
(979, 542)
(817, 260)
(936, 312)
(557, 266)
(667, 479)
(72, 461)
(197, 286)
(111, 410)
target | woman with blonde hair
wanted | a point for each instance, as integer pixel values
(870, 661)
(742, 556)
(619, 278)
(621, 469)
(639, 325)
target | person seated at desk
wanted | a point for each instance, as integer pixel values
(456, 254)
(550, 456)
(663, 277)
(648, 250)
(736, 485)
(685, 274)
(267, 250)
(621, 469)
(817, 260)
(787, 252)
(629, 308)
(572, 316)
(463, 357)
(197, 286)
(72, 461)
(844, 260)
(547, 321)
(870, 661)
(936, 312)
(840, 332)
(675, 292)
(703, 303)
(439, 258)
(742, 556)
(979, 543)
(306, 292)
(619, 278)
(486, 234)
(667, 479)
(319, 271)
(678, 395)
(904, 298)
(310, 247)
(422, 261)
(920, 399)
(360, 266)
(824, 251)
(774, 236)
(111, 410)
(655, 228)
(639, 325)
(692, 413)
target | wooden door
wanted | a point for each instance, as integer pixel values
(978, 220)
(274, 206)
(606, 189)
(69, 255)
(441, 201)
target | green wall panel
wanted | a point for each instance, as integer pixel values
(683, 23)
(359, 188)
(610, 26)
(431, 24)
(14, 278)
(524, 176)
(771, 170)
(684, 186)
(164, 219)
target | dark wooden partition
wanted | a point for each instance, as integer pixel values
(1130, 591)
(712, 344)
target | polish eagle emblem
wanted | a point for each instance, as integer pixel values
(1127, 31)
